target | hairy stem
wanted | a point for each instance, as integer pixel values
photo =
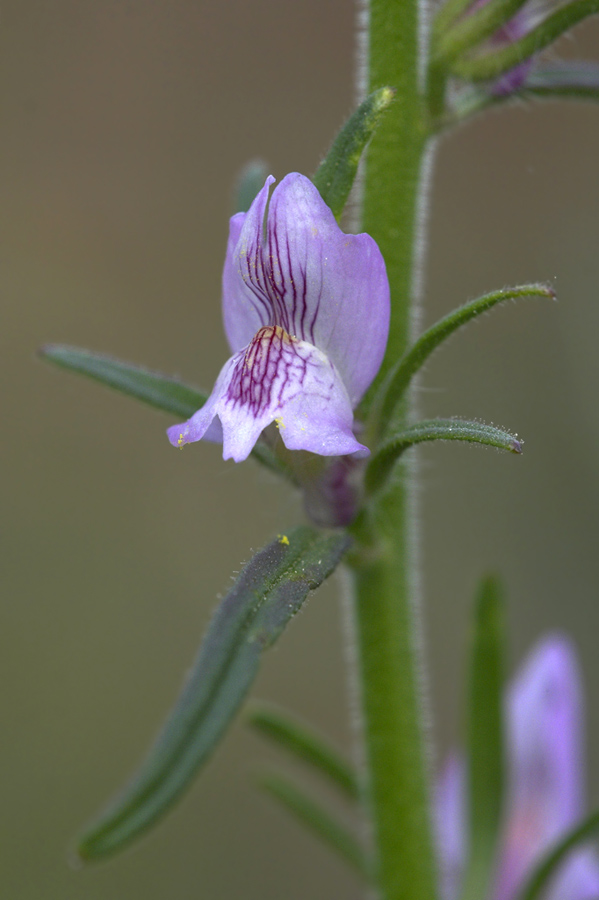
(386, 618)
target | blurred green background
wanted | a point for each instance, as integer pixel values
(124, 126)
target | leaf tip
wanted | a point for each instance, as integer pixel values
(45, 351)
(547, 290)
(385, 96)
(78, 856)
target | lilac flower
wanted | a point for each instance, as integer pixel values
(546, 790)
(306, 313)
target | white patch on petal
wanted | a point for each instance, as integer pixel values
(276, 378)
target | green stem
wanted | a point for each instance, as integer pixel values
(385, 614)
(394, 160)
(388, 648)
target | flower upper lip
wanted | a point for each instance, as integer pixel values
(306, 314)
(300, 271)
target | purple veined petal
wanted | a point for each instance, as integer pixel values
(450, 822)
(203, 423)
(308, 277)
(246, 307)
(277, 378)
(331, 288)
(544, 719)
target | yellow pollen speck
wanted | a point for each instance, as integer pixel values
(181, 441)
(283, 539)
(279, 423)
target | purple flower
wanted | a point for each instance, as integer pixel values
(546, 789)
(306, 313)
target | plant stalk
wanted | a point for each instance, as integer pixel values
(386, 621)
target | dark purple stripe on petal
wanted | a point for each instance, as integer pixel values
(271, 362)
(301, 273)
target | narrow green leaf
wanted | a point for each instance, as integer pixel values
(269, 591)
(448, 13)
(578, 79)
(485, 738)
(493, 63)
(249, 182)
(547, 868)
(335, 175)
(158, 390)
(305, 744)
(393, 388)
(476, 27)
(318, 820)
(382, 462)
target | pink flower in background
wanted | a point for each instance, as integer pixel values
(544, 734)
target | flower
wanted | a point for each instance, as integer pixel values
(306, 314)
(545, 798)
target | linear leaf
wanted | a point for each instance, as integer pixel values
(393, 388)
(447, 13)
(547, 868)
(476, 27)
(318, 820)
(494, 63)
(269, 591)
(305, 744)
(381, 463)
(159, 391)
(336, 173)
(577, 79)
(485, 738)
